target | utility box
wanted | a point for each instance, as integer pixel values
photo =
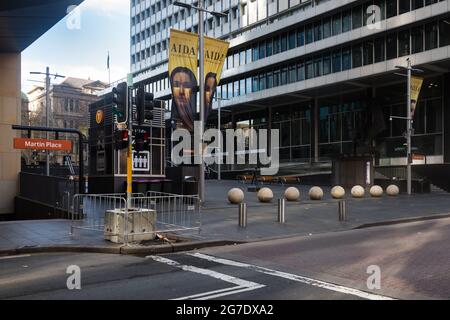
(140, 225)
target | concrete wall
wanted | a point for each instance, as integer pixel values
(10, 104)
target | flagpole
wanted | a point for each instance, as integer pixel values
(109, 71)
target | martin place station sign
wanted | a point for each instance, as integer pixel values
(42, 144)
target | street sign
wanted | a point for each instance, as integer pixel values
(141, 161)
(42, 144)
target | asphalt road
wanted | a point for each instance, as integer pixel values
(413, 260)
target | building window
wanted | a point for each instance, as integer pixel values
(337, 24)
(300, 37)
(404, 6)
(357, 17)
(326, 28)
(283, 42)
(326, 64)
(309, 34)
(309, 70)
(391, 46)
(262, 49)
(346, 21)
(318, 32)
(268, 47)
(391, 8)
(356, 56)
(444, 33)
(300, 72)
(291, 42)
(336, 61)
(431, 34)
(368, 53)
(379, 49)
(346, 59)
(403, 43)
(276, 45)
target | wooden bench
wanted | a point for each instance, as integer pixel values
(289, 179)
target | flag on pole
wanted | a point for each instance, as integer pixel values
(107, 61)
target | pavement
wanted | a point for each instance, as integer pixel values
(220, 221)
(411, 260)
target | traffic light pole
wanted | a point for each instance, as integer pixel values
(408, 131)
(130, 150)
(201, 184)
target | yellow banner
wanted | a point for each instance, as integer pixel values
(215, 54)
(416, 85)
(183, 57)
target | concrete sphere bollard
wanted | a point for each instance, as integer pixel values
(392, 190)
(292, 194)
(265, 195)
(316, 193)
(337, 192)
(235, 196)
(376, 191)
(357, 191)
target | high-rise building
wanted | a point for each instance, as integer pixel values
(322, 72)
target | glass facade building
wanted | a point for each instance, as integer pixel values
(322, 72)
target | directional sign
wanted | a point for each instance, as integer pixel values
(141, 161)
(42, 144)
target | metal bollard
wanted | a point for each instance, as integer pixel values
(242, 215)
(281, 211)
(342, 211)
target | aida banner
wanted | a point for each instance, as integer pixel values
(215, 55)
(183, 56)
(416, 85)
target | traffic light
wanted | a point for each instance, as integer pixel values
(142, 141)
(121, 139)
(119, 99)
(144, 106)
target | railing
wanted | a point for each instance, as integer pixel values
(172, 213)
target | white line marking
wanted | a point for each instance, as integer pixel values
(231, 292)
(241, 285)
(208, 293)
(13, 257)
(294, 277)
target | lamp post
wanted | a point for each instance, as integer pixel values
(201, 10)
(219, 142)
(408, 119)
(47, 109)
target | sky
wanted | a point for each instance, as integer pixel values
(79, 47)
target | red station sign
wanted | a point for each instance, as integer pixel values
(42, 144)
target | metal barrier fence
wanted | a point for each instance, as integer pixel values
(174, 213)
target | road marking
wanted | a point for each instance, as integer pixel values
(14, 257)
(240, 284)
(294, 277)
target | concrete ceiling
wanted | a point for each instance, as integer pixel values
(23, 21)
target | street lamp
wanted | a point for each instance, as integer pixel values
(201, 46)
(408, 119)
(219, 122)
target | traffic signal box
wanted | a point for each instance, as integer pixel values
(108, 145)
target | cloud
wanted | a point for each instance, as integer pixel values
(109, 8)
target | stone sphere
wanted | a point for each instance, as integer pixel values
(392, 190)
(235, 196)
(265, 195)
(376, 191)
(316, 193)
(337, 192)
(357, 191)
(292, 194)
